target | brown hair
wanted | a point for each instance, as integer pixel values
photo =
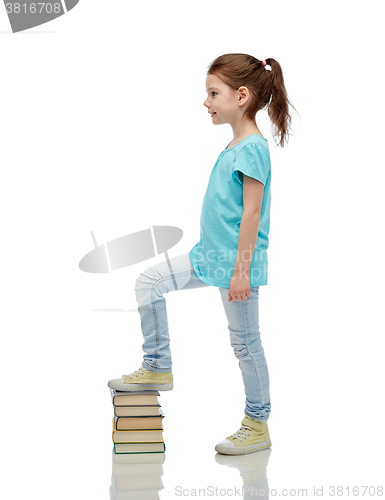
(266, 87)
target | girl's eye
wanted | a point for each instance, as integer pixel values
(212, 92)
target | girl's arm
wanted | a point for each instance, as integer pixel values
(248, 233)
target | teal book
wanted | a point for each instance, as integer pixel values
(123, 448)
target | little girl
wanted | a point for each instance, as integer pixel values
(234, 237)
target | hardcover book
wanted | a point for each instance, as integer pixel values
(135, 436)
(138, 411)
(137, 458)
(138, 423)
(134, 398)
(125, 448)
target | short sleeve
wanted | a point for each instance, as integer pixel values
(254, 161)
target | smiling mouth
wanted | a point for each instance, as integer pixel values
(212, 114)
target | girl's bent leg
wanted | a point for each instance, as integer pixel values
(243, 319)
(152, 284)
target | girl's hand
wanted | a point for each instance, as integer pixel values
(239, 287)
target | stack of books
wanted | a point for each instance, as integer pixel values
(137, 426)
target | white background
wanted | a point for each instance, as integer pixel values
(103, 129)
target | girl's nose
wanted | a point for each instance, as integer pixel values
(206, 103)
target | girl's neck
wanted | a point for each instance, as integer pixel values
(243, 130)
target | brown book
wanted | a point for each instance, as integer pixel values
(136, 436)
(134, 398)
(139, 423)
(138, 411)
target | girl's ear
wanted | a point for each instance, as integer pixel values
(243, 95)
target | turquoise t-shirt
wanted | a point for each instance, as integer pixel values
(213, 257)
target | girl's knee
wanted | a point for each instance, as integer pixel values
(144, 285)
(149, 287)
(244, 342)
(240, 350)
(146, 279)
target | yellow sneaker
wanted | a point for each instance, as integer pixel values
(252, 436)
(143, 379)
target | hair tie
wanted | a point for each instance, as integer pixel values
(264, 62)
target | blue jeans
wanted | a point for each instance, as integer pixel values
(243, 325)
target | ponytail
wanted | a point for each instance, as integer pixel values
(278, 108)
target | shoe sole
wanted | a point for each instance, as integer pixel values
(121, 386)
(243, 450)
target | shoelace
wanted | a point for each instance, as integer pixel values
(141, 371)
(242, 433)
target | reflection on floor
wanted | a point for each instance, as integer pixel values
(136, 476)
(139, 476)
(252, 468)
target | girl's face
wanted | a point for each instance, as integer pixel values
(222, 102)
